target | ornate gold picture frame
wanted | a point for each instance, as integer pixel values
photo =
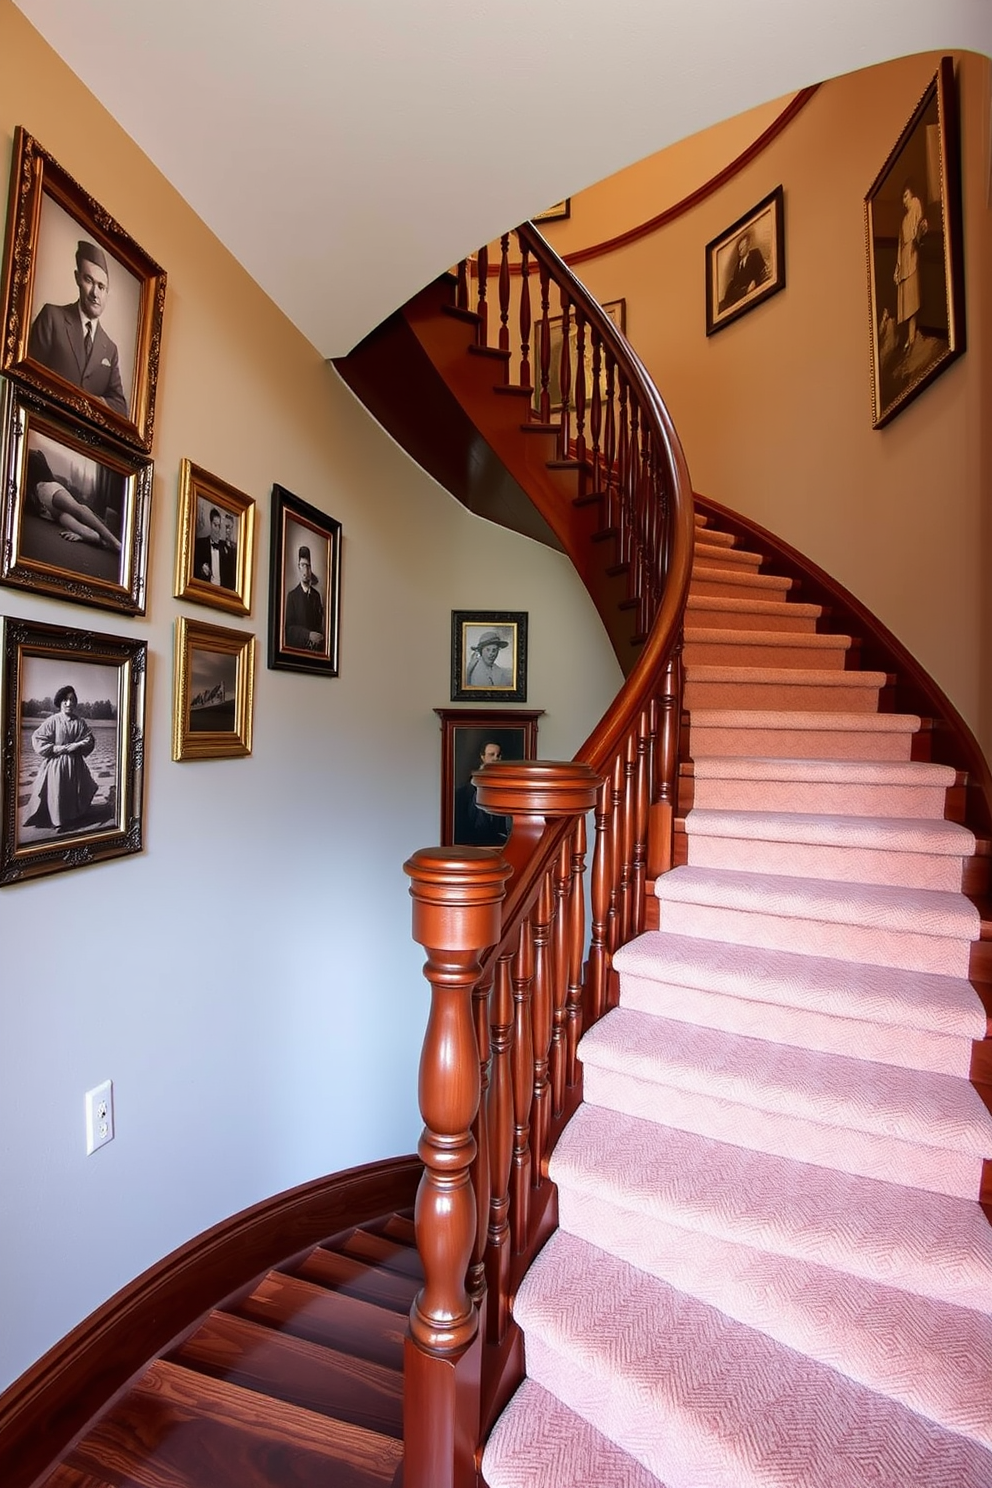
(215, 541)
(213, 687)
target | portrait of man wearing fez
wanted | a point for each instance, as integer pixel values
(69, 339)
(304, 629)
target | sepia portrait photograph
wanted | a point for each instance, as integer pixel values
(73, 704)
(745, 265)
(215, 541)
(213, 684)
(488, 655)
(304, 583)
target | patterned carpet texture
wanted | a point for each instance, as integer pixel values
(772, 1269)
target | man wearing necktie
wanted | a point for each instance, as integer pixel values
(212, 560)
(69, 339)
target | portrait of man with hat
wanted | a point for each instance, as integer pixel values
(483, 669)
(304, 608)
(69, 339)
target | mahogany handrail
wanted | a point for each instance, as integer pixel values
(516, 972)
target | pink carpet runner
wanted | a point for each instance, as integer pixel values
(772, 1270)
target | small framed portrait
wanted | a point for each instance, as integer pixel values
(616, 310)
(745, 265)
(82, 303)
(557, 212)
(915, 260)
(74, 508)
(213, 683)
(471, 738)
(215, 539)
(489, 656)
(73, 721)
(304, 587)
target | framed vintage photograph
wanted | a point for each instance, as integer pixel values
(304, 586)
(616, 310)
(215, 538)
(557, 212)
(915, 260)
(212, 691)
(74, 508)
(82, 303)
(745, 265)
(73, 728)
(471, 738)
(489, 656)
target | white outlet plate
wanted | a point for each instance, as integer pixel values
(99, 1116)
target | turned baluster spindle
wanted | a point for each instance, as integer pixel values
(661, 833)
(629, 835)
(525, 316)
(610, 444)
(618, 871)
(580, 386)
(596, 411)
(500, 1151)
(565, 379)
(482, 305)
(633, 475)
(602, 857)
(576, 948)
(480, 1169)
(522, 1067)
(560, 969)
(544, 371)
(542, 1015)
(504, 299)
(461, 289)
(622, 522)
(642, 802)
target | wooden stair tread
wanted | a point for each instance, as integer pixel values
(398, 1227)
(179, 1429)
(342, 1274)
(379, 1250)
(307, 1310)
(295, 1370)
(65, 1476)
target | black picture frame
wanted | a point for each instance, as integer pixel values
(506, 679)
(297, 526)
(913, 242)
(464, 734)
(745, 264)
(59, 812)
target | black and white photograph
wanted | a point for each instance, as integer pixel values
(213, 685)
(74, 509)
(745, 264)
(470, 740)
(73, 722)
(82, 302)
(214, 542)
(489, 655)
(915, 267)
(305, 563)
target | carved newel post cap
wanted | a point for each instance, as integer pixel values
(457, 893)
(548, 788)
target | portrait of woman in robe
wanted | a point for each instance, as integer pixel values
(64, 789)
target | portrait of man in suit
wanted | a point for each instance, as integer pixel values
(304, 627)
(215, 560)
(69, 339)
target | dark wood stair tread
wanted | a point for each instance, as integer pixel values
(398, 1227)
(65, 1476)
(179, 1429)
(307, 1310)
(354, 1279)
(297, 1371)
(379, 1250)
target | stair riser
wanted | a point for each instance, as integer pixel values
(720, 555)
(717, 583)
(877, 947)
(782, 694)
(923, 803)
(752, 654)
(757, 618)
(864, 1154)
(840, 744)
(838, 864)
(878, 1042)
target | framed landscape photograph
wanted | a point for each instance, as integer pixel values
(74, 508)
(73, 728)
(212, 697)
(489, 656)
(745, 264)
(304, 586)
(82, 303)
(215, 541)
(915, 261)
(471, 738)
(616, 310)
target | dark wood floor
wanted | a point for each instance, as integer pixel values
(296, 1384)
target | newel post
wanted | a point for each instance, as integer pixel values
(457, 893)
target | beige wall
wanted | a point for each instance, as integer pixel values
(774, 411)
(248, 982)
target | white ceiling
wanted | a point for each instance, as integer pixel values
(347, 151)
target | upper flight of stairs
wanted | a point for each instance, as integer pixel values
(774, 1267)
(296, 1382)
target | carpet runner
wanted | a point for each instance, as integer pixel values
(772, 1269)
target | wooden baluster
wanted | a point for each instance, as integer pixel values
(633, 472)
(596, 411)
(482, 307)
(457, 893)
(522, 1064)
(461, 290)
(642, 798)
(542, 1013)
(617, 870)
(576, 949)
(504, 299)
(500, 1153)
(560, 966)
(662, 825)
(622, 516)
(646, 499)
(580, 386)
(599, 958)
(629, 819)
(525, 316)
(565, 379)
(480, 1171)
(544, 372)
(610, 444)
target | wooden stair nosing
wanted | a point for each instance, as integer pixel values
(342, 1274)
(307, 1310)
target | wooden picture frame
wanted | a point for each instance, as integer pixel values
(74, 508)
(50, 221)
(213, 691)
(616, 310)
(745, 264)
(465, 732)
(71, 779)
(304, 591)
(558, 211)
(215, 541)
(480, 671)
(913, 242)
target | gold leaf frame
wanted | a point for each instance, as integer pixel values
(195, 485)
(192, 736)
